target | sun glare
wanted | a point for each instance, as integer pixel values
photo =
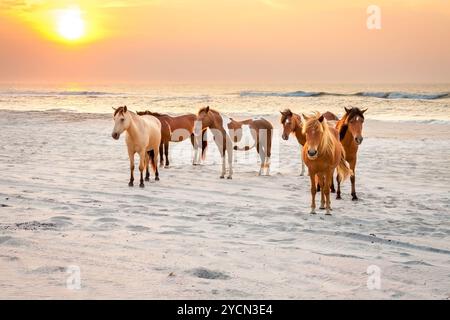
(70, 24)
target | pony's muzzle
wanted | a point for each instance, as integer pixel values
(115, 135)
(312, 153)
(359, 140)
(285, 136)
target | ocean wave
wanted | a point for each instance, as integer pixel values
(56, 93)
(381, 95)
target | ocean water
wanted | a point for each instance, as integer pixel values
(421, 103)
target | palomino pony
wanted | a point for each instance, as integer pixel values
(143, 137)
(176, 129)
(322, 154)
(257, 131)
(350, 134)
(216, 122)
(292, 123)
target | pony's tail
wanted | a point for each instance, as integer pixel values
(151, 155)
(204, 145)
(343, 169)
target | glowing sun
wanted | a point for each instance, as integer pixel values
(70, 24)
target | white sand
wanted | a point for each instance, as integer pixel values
(65, 201)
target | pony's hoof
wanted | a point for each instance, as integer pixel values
(141, 185)
(313, 211)
(156, 178)
(222, 177)
(229, 177)
(166, 166)
(354, 197)
(328, 212)
(338, 197)
(147, 179)
(322, 208)
(333, 191)
(130, 184)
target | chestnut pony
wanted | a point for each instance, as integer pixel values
(175, 129)
(323, 153)
(254, 133)
(350, 134)
(212, 119)
(292, 123)
(143, 137)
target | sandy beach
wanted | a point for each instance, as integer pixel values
(64, 202)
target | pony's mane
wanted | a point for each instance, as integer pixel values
(354, 112)
(327, 144)
(119, 110)
(210, 110)
(147, 112)
(284, 115)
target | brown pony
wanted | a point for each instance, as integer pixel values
(322, 154)
(350, 134)
(175, 129)
(258, 132)
(292, 123)
(216, 122)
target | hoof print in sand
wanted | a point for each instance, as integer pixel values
(204, 273)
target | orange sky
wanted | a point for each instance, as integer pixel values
(228, 40)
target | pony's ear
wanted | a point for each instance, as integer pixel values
(282, 113)
(114, 108)
(362, 111)
(321, 118)
(347, 110)
(305, 117)
(124, 109)
(207, 109)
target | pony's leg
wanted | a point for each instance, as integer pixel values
(332, 189)
(166, 153)
(338, 192)
(352, 179)
(262, 156)
(147, 163)
(161, 152)
(155, 161)
(313, 192)
(142, 167)
(131, 157)
(230, 161)
(302, 173)
(328, 180)
(322, 192)
(268, 151)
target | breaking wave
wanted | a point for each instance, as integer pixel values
(380, 95)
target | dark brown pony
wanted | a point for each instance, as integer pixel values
(258, 133)
(323, 154)
(216, 122)
(350, 134)
(175, 129)
(293, 124)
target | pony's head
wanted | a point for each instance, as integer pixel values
(289, 122)
(122, 121)
(205, 115)
(318, 136)
(354, 119)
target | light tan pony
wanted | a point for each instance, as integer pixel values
(322, 154)
(143, 137)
